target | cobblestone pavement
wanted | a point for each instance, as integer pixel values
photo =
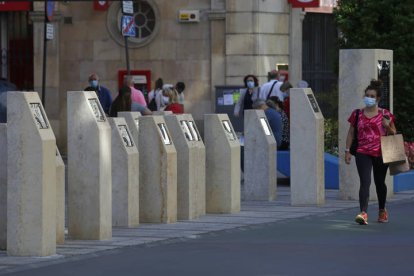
(252, 213)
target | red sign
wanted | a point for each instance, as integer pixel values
(100, 5)
(15, 6)
(304, 3)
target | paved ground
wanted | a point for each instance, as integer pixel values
(266, 238)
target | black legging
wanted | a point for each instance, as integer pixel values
(365, 164)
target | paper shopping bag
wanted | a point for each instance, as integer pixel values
(392, 147)
(399, 167)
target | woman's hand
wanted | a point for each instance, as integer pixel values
(386, 122)
(348, 157)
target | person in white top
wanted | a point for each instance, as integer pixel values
(272, 87)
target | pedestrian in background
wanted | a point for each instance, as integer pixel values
(285, 88)
(123, 102)
(272, 87)
(136, 94)
(277, 104)
(247, 95)
(174, 106)
(103, 93)
(180, 87)
(371, 123)
(152, 95)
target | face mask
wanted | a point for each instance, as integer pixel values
(369, 102)
(250, 84)
(94, 83)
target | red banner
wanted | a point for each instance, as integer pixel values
(100, 5)
(15, 6)
(304, 3)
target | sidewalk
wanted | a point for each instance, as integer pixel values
(252, 213)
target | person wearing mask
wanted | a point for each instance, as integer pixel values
(136, 95)
(180, 87)
(273, 117)
(275, 103)
(123, 102)
(247, 95)
(272, 87)
(371, 123)
(174, 106)
(103, 93)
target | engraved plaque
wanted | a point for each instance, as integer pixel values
(228, 130)
(194, 131)
(186, 130)
(313, 103)
(164, 133)
(265, 126)
(137, 123)
(97, 110)
(126, 137)
(39, 115)
(384, 72)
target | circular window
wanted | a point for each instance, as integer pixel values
(145, 23)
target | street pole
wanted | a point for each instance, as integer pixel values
(127, 55)
(44, 56)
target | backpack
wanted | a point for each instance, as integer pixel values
(153, 104)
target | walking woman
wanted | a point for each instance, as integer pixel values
(372, 122)
(247, 96)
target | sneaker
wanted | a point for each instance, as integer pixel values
(382, 216)
(362, 218)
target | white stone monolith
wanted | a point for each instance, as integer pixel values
(60, 199)
(3, 186)
(31, 177)
(89, 168)
(307, 170)
(125, 175)
(260, 147)
(190, 166)
(161, 113)
(357, 67)
(158, 172)
(222, 165)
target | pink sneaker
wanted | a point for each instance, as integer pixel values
(362, 218)
(382, 216)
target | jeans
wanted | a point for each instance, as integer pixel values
(365, 164)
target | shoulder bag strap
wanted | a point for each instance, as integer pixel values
(271, 89)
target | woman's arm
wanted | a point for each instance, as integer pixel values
(348, 144)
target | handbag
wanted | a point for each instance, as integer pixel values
(392, 147)
(399, 167)
(354, 145)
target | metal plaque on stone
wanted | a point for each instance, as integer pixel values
(194, 130)
(229, 131)
(165, 135)
(39, 115)
(313, 103)
(265, 126)
(126, 137)
(137, 123)
(97, 110)
(384, 72)
(186, 130)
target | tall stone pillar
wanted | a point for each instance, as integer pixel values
(256, 38)
(60, 199)
(222, 165)
(31, 177)
(260, 147)
(356, 69)
(295, 45)
(89, 168)
(53, 103)
(307, 177)
(3, 186)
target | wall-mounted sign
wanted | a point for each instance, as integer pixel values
(164, 133)
(15, 5)
(186, 129)
(97, 110)
(265, 126)
(128, 7)
(304, 3)
(50, 31)
(194, 131)
(228, 130)
(39, 115)
(313, 103)
(384, 74)
(126, 137)
(128, 26)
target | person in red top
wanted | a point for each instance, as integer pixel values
(173, 104)
(373, 122)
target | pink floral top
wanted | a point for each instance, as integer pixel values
(370, 131)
